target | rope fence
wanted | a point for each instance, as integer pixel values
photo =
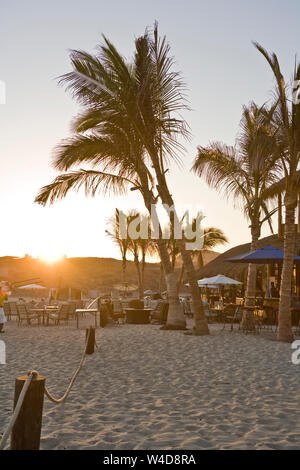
(17, 423)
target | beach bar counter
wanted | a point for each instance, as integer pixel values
(137, 315)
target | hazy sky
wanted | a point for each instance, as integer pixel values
(211, 41)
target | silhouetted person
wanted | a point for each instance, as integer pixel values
(274, 290)
(3, 297)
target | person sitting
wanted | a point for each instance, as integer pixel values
(274, 291)
(3, 297)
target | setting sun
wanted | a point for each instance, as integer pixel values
(50, 256)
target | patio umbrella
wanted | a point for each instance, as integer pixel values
(265, 255)
(210, 286)
(32, 286)
(125, 287)
(218, 280)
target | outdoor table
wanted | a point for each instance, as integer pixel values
(93, 311)
(217, 313)
(137, 315)
(251, 325)
(47, 310)
(40, 312)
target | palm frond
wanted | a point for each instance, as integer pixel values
(92, 182)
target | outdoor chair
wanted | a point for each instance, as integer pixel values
(72, 309)
(25, 315)
(13, 309)
(118, 314)
(6, 308)
(232, 315)
(267, 317)
(61, 315)
(160, 313)
(207, 313)
(187, 309)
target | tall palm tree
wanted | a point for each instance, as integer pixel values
(287, 121)
(245, 172)
(121, 161)
(155, 114)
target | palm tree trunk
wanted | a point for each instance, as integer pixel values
(247, 322)
(140, 283)
(161, 276)
(280, 231)
(176, 318)
(143, 269)
(200, 259)
(284, 332)
(298, 206)
(180, 278)
(200, 326)
(124, 262)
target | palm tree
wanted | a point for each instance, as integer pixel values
(212, 237)
(147, 247)
(113, 145)
(113, 231)
(140, 247)
(154, 112)
(245, 171)
(287, 121)
(144, 96)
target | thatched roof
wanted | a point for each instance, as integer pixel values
(235, 270)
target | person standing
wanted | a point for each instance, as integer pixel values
(3, 297)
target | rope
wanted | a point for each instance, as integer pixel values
(26, 385)
(76, 372)
(18, 407)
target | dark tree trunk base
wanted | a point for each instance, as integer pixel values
(195, 332)
(173, 327)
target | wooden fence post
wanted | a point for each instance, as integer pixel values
(90, 347)
(26, 432)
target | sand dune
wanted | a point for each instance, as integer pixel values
(151, 389)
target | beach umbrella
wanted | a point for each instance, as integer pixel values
(265, 255)
(218, 280)
(125, 287)
(209, 286)
(32, 286)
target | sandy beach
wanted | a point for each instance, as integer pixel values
(150, 389)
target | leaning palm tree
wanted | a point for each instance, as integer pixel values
(245, 172)
(116, 162)
(287, 121)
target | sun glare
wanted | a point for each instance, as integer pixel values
(50, 257)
